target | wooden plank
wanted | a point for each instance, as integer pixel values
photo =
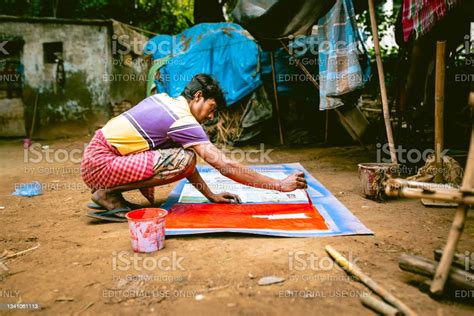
(439, 108)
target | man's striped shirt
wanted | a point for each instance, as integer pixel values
(158, 121)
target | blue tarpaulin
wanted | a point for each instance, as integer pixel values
(224, 50)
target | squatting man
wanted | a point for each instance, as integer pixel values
(156, 143)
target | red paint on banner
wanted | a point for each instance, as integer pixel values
(242, 216)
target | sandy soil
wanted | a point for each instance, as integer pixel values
(85, 267)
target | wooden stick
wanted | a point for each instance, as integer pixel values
(326, 130)
(371, 110)
(310, 77)
(275, 94)
(354, 270)
(34, 115)
(16, 254)
(442, 271)
(438, 195)
(439, 108)
(468, 180)
(379, 306)
(383, 89)
(427, 186)
(426, 267)
(471, 99)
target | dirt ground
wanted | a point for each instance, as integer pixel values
(82, 266)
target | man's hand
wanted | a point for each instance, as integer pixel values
(293, 182)
(244, 175)
(225, 197)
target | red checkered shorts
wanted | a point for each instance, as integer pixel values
(104, 167)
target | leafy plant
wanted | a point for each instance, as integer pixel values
(385, 25)
(158, 16)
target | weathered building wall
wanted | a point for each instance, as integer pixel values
(83, 101)
(97, 75)
(128, 82)
(129, 67)
(12, 123)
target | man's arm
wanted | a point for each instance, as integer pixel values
(244, 175)
(223, 197)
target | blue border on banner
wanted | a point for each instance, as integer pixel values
(340, 220)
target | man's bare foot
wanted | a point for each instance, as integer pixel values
(108, 200)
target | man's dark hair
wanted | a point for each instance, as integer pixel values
(208, 85)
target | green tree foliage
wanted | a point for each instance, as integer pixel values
(159, 16)
(385, 25)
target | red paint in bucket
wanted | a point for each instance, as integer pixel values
(147, 229)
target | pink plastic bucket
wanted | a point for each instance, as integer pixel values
(147, 229)
(27, 143)
(372, 177)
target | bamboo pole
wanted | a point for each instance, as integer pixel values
(383, 89)
(354, 270)
(458, 278)
(275, 94)
(427, 186)
(442, 271)
(379, 306)
(446, 196)
(439, 108)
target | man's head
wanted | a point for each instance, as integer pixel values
(204, 96)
